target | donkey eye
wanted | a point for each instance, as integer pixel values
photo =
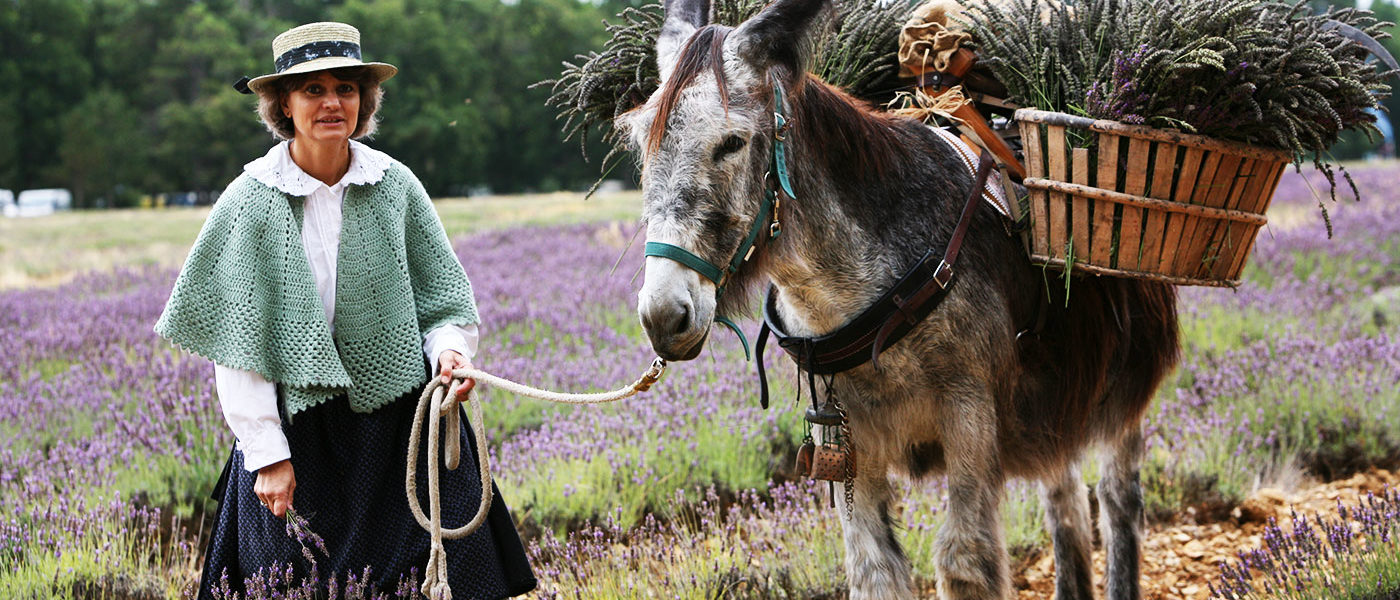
(729, 146)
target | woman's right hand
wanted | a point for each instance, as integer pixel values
(275, 485)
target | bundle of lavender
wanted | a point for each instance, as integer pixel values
(858, 52)
(1263, 72)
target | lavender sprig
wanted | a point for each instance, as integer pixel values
(299, 529)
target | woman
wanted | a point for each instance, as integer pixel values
(325, 291)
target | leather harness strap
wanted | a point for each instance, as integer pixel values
(886, 321)
(942, 276)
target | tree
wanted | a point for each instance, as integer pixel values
(431, 120)
(100, 148)
(530, 45)
(81, 79)
(43, 58)
(203, 131)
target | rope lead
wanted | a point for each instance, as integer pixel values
(442, 403)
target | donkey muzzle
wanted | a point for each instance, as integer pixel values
(673, 310)
(671, 329)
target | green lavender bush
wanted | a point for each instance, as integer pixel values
(1262, 72)
(1255, 71)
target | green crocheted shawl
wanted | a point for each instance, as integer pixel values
(246, 297)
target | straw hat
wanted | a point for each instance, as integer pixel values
(315, 47)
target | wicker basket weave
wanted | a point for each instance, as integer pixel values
(1139, 202)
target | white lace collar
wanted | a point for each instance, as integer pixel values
(277, 170)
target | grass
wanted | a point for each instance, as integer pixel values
(122, 551)
(711, 452)
(50, 250)
(675, 539)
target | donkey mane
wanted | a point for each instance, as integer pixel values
(704, 49)
(856, 142)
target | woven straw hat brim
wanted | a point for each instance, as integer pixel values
(381, 71)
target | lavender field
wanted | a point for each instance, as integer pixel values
(110, 439)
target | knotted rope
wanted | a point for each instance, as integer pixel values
(443, 403)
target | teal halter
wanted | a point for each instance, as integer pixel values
(767, 214)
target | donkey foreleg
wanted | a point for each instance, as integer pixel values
(876, 567)
(1121, 515)
(970, 554)
(1066, 501)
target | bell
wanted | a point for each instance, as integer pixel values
(829, 462)
(804, 460)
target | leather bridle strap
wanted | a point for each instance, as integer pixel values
(683, 256)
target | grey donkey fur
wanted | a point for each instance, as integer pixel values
(962, 395)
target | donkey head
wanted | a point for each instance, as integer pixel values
(704, 140)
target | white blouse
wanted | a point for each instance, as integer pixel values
(248, 400)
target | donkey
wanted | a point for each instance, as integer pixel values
(962, 394)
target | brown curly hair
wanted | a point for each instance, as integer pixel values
(281, 126)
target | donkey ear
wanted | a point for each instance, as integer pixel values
(778, 36)
(683, 17)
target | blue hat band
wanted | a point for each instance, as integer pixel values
(316, 50)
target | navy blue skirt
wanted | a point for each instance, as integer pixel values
(350, 487)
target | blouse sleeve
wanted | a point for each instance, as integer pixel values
(463, 339)
(249, 403)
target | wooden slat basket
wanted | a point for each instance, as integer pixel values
(1132, 201)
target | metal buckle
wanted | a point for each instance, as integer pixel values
(943, 275)
(780, 126)
(775, 227)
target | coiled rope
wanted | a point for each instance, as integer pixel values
(441, 400)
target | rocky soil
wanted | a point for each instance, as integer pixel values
(1179, 558)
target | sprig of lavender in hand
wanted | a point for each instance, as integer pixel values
(299, 529)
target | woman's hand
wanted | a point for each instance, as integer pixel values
(450, 360)
(275, 485)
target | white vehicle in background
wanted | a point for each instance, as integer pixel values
(37, 203)
(7, 204)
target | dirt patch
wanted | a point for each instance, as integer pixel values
(1181, 557)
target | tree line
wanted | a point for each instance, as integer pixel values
(118, 98)
(115, 99)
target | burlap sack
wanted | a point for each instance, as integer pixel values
(930, 37)
(934, 32)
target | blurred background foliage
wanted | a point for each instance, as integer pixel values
(116, 99)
